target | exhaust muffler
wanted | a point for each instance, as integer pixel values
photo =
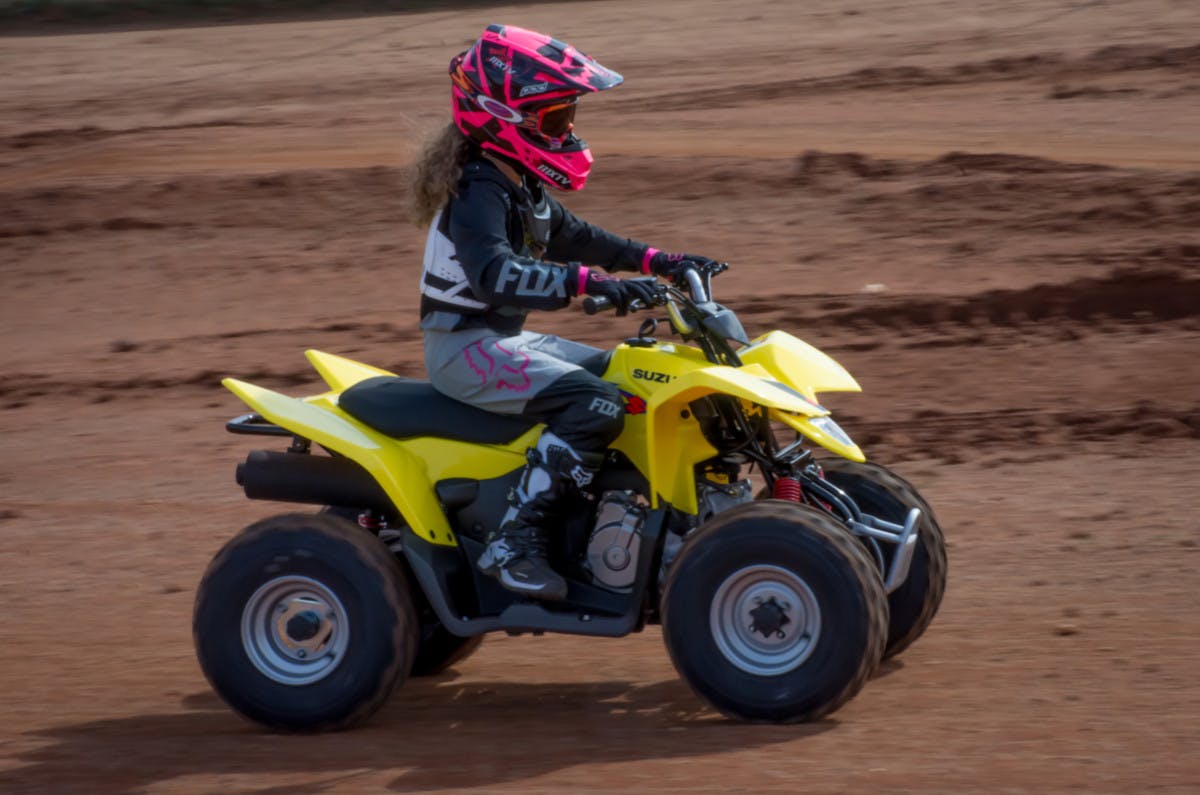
(315, 479)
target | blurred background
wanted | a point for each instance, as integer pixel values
(986, 211)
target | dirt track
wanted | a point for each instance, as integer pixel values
(989, 216)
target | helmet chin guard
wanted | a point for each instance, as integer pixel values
(514, 93)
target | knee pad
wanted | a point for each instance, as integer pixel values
(593, 420)
(584, 411)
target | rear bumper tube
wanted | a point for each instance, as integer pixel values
(253, 424)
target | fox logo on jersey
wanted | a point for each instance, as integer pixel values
(532, 280)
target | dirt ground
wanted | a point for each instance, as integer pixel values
(987, 211)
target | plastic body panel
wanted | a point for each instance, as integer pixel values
(661, 437)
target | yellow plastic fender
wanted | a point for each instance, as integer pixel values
(675, 444)
(406, 469)
(809, 371)
(798, 364)
(339, 372)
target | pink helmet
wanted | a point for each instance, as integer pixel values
(514, 94)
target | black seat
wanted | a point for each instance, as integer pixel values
(403, 408)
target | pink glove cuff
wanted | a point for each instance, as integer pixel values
(583, 277)
(649, 255)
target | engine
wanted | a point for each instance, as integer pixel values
(715, 498)
(616, 540)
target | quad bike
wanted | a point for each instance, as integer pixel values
(778, 595)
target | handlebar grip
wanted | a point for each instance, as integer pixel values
(596, 303)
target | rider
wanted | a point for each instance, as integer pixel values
(499, 246)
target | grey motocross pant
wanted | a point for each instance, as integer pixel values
(538, 376)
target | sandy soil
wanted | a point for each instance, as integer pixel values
(987, 211)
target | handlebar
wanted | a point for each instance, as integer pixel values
(696, 284)
(594, 304)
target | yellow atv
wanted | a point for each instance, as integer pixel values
(777, 599)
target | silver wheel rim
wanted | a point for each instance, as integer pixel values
(295, 630)
(765, 620)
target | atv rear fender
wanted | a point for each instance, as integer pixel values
(406, 469)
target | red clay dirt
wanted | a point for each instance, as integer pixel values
(988, 212)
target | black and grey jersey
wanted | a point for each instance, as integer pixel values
(443, 280)
(498, 250)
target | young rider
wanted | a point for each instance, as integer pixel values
(500, 246)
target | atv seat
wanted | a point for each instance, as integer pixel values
(403, 408)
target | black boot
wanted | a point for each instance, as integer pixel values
(516, 555)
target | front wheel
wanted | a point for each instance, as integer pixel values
(773, 612)
(883, 493)
(304, 622)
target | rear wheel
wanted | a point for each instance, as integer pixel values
(881, 492)
(304, 622)
(773, 612)
(437, 647)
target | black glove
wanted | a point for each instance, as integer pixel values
(669, 265)
(620, 292)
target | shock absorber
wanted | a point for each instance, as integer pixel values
(787, 488)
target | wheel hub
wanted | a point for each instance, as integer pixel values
(765, 619)
(303, 626)
(769, 618)
(295, 630)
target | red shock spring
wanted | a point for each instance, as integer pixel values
(787, 489)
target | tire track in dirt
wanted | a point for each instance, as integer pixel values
(814, 164)
(1111, 60)
(820, 173)
(285, 200)
(952, 198)
(134, 356)
(957, 189)
(1126, 295)
(28, 387)
(962, 191)
(953, 437)
(89, 133)
(1057, 205)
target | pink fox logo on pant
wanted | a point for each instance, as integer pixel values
(509, 377)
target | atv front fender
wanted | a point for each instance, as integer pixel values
(798, 364)
(809, 371)
(675, 442)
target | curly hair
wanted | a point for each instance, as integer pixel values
(434, 175)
